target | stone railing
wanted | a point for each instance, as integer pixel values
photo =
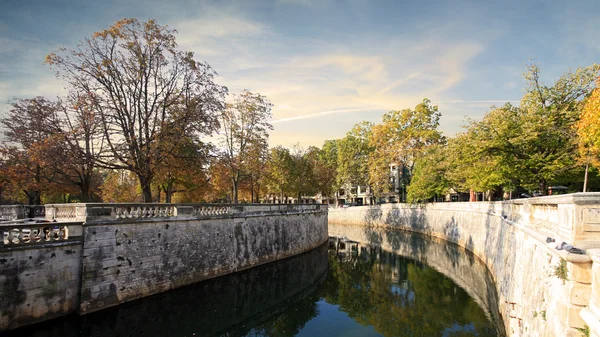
(20, 233)
(12, 212)
(96, 212)
(16, 212)
(573, 218)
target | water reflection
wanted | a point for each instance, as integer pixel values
(365, 282)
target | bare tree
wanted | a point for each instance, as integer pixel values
(144, 90)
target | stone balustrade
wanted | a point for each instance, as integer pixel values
(97, 212)
(21, 232)
(17, 212)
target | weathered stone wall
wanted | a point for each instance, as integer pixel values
(39, 274)
(122, 252)
(125, 261)
(533, 301)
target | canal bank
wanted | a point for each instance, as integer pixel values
(94, 256)
(542, 291)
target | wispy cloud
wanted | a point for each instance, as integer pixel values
(484, 101)
(320, 114)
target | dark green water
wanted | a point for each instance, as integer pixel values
(343, 288)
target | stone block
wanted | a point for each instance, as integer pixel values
(570, 312)
(578, 293)
(580, 272)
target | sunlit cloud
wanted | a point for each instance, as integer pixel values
(484, 101)
(320, 114)
(326, 67)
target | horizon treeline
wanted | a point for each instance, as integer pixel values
(143, 121)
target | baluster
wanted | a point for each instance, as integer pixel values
(15, 235)
(47, 233)
(6, 237)
(37, 234)
(64, 232)
(55, 233)
(26, 235)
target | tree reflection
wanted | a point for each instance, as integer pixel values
(401, 297)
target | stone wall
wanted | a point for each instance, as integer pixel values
(101, 255)
(40, 268)
(541, 290)
(125, 261)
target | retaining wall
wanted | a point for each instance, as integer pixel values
(541, 290)
(121, 252)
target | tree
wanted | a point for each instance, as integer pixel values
(119, 186)
(353, 153)
(279, 170)
(588, 133)
(31, 130)
(401, 139)
(144, 90)
(302, 178)
(482, 159)
(535, 142)
(430, 176)
(254, 171)
(324, 164)
(545, 147)
(55, 141)
(185, 169)
(245, 125)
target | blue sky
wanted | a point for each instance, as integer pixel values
(327, 65)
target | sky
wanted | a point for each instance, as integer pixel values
(327, 65)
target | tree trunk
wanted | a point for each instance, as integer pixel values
(145, 184)
(234, 191)
(585, 179)
(543, 186)
(85, 191)
(472, 195)
(33, 197)
(169, 192)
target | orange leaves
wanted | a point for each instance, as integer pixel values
(588, 129)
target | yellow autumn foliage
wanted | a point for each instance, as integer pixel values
(588, 129)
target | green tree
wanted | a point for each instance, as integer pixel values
(353, 156)
(430, 175)
(324, 163)
(401, 139)
(302, 177)
(145, 92)
(545, 148)
(481, 157)
(279, 170)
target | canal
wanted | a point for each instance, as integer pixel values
(363, 282)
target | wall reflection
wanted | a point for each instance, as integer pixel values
(402, 282)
